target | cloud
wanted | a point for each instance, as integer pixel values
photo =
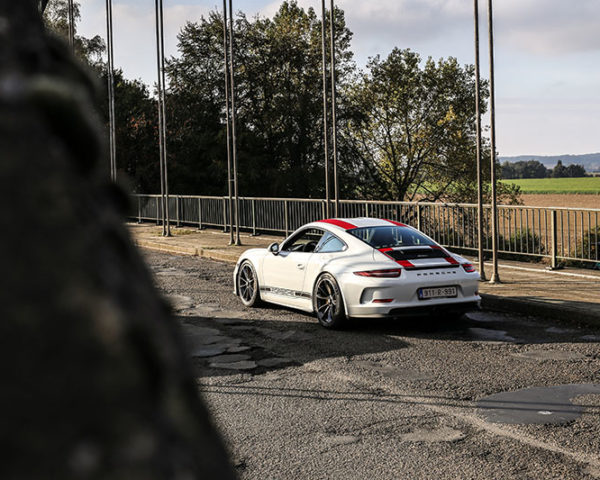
(536, 26)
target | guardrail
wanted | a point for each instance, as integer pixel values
(560, 234)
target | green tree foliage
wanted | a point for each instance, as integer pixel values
(56, 19)
(524, 169)
(414, 127)
(278, 103)
(571, 171)
(136, 132)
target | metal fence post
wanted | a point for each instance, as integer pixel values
(419, 221)
(286, 218)
(253, 217)
(553, 224)
(157, 212)
(367, 209)
(178, 210)
(139, 209)
(199, 214)
(224, 203)
(324, 209)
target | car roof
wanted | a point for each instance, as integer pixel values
(360, 222)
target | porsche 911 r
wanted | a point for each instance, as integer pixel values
(358, 267)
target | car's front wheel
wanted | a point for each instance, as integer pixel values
(328, 302)
(247, 285)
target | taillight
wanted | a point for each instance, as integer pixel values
(468, 267)
(388, 273)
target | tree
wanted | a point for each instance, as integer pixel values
(559, 171)
(575, 170)
(278, 103)
(524, 169)
(56, 19)
(414, 127)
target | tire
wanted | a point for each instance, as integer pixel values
(328, 302)
(247, 285)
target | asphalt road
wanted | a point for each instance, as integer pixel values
(388, 399)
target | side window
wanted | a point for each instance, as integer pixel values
(304, 241)
(332, 244)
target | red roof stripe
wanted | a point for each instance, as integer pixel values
(451, 260)
(395, 223)
(383, 250)
(339, 223)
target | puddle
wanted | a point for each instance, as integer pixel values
(489, 334)
(537, 405)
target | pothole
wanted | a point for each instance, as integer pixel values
(443, 434)
(545, 355)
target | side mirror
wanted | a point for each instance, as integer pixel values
(274, 248)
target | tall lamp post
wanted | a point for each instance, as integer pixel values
(110, 69)
(227, 110)
(325, 126)
(495, 278)
(478, 149)
(71, 26)
(334, 111)
(233, 139)
(162, 129)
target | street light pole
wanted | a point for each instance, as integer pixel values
(161, 140)
(478, 150)
(71, 26)
(233, 139)
(164, 116)
(334, 111)
(325, 126)
(495, 278)
(226, 70)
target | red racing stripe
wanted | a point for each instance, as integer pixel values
(383, 250)
(395, 223)
(339, 223)
(451, 260)
(405, 264)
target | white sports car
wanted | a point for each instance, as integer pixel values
(358, 267)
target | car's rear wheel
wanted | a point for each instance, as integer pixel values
(247, 285)
(328, 302)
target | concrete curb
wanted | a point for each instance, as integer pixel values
(565, 313)
(192, 251)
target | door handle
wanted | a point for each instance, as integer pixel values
(300, 266)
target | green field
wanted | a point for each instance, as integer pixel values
(587, 185)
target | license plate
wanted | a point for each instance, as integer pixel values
(437, 292)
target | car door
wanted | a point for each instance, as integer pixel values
(330, 247)
(283, 274)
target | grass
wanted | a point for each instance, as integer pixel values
(586, 185)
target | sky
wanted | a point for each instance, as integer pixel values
(547, 54)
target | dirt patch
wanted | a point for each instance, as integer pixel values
(561, 200)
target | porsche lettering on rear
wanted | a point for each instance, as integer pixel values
(358, 267)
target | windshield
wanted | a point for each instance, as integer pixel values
(391, 237)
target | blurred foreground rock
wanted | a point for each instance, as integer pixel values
(94, 381)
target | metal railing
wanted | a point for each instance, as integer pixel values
(559, 234)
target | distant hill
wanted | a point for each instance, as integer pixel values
(590, 161)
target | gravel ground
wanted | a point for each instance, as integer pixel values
(383, 399)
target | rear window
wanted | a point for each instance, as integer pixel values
(391, 237)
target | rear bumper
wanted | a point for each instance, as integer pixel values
(418, 311)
